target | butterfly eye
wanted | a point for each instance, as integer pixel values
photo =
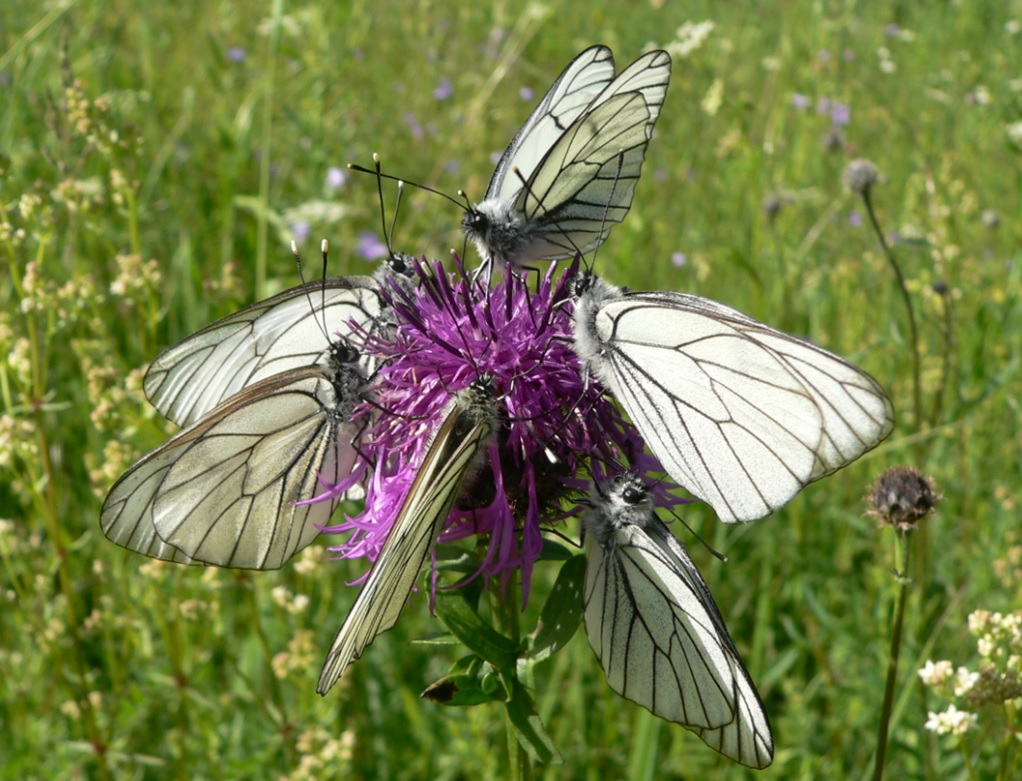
(633, 494)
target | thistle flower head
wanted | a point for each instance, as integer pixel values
(556, 429)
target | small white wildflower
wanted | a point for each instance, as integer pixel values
(299, 604)
(308, 560)
(986, 646)
(713, 98)
(1013, 27)
(979, 621)
(281, 595)
(936, 673)
(1014, 131)
(952, 721)
(690, 36)
(965, 680)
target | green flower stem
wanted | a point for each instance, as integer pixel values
(901, 557)
(506, 613)
(264, 156)
(917, 392)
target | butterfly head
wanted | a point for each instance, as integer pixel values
(497, 233)
(619, 502)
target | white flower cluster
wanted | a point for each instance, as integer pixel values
(951, 722)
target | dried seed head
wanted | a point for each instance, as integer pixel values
(860, 175)
(901, 497)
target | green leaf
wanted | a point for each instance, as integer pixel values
(529, 729)
(555, 551)
(562, 612)
(454, 610)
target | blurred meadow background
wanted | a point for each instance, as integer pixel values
(156, 159)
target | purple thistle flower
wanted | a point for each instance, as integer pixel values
(557, 430)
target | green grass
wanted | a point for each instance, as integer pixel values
(169, 150)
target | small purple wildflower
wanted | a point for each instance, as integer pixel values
(370, 247)
(679, 259)
(823, 106)
(840, 114)
(452, 167)
(495, 157)
(335, 178)
(557, 430)
(414, 126)
(444, 89)
(300, 231)
(236, 54)
(824, 55)
(892, 30)
(854, 219)
(848, 55)
(525, 93)
(800, 102)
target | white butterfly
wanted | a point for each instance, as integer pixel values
(266, 400)
(656, 630)
(570, 172)
(268, 338)
(740, 414)
(224, 490)
(463, 434)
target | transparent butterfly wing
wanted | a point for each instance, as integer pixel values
(282, 333)
(742, 415)
(649, 76)
(587, 181)
(584, 78)
(225, 490)
(127, 515)
(582, 183)
(461, 438)
(660, 638)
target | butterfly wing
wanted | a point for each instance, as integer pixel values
(584, 78)
(587, 181)
(660, 638)
(224, 490)
(570, 175)
(284, 332)
(461, 438)
(742, 415)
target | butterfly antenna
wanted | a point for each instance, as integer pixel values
(713, 551)
(325, 249)
(363, 170)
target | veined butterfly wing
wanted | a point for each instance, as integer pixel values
(271, 337)
(656, 630)
(462, 436)
(584, 78)
(559, 159)
(225, 490)
(742, 415)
